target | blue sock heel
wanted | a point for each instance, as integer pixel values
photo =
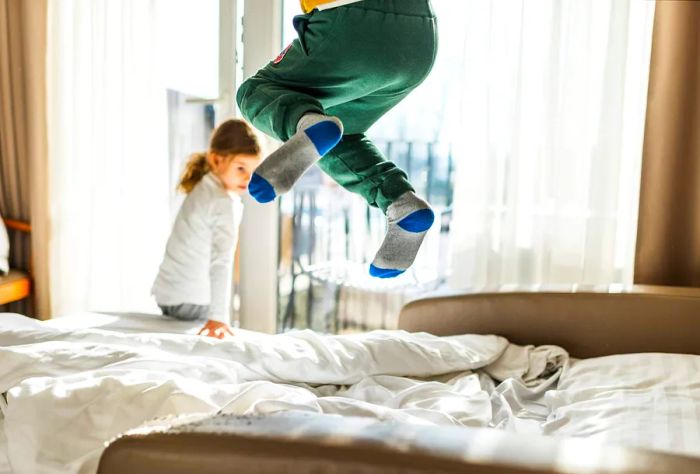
(316, 135)
(383, 272)
(324, 135)
(418, 221)
(408, 219)
(261, 190)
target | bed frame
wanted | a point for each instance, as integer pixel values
(588, 323)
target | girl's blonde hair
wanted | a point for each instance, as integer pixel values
(233, 137)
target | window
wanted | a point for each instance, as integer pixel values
(526, 138)
(329, 236)
(133, 89)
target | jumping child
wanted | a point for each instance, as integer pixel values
(353, 61)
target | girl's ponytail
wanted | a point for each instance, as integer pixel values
(231, 138)
(197, 166)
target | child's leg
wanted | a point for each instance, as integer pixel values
(277, 109)
(396, 45)
(284, 100)
(342, 55)
(186, 312)
(317, 134)
(356, 63)
(273, 105)
(358, 166)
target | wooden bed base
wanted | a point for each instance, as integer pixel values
(640, 319)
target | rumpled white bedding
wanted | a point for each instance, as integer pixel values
(644, 400)
(70, 391)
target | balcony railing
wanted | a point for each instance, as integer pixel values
(329, 236)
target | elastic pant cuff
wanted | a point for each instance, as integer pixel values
(390, 190)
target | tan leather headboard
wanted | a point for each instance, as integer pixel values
(587, 324)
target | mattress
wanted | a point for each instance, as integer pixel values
(637, 400)
(71, 387)
(125, 323)
(71, 390)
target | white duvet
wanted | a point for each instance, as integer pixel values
(70, 391)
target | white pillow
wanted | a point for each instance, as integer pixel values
(643, 400)
(4, 249)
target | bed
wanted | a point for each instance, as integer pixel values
(462, 399)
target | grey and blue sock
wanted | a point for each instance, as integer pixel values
(316, 135)
(409, 219)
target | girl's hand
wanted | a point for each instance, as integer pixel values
(216, 330)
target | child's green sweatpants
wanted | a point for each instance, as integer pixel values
(355, 62)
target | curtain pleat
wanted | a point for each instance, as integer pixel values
(668, 237)
(23, 194)
(547, 141)
(14, 173)
(108, 121)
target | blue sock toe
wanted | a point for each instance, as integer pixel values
(383, 272)
(324, 135)
(418, 221)
(260, 189)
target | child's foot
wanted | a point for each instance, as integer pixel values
(316, 135)
(409, 219)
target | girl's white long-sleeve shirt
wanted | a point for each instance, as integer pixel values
(198, 263)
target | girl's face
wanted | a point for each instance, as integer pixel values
(234, 172)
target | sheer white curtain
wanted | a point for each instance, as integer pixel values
(108, 154)
(550, 118)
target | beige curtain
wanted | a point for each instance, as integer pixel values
(23, 148)
(668, 238)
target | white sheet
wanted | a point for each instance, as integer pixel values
(525, 373)
(69, 391)
(644, 400)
